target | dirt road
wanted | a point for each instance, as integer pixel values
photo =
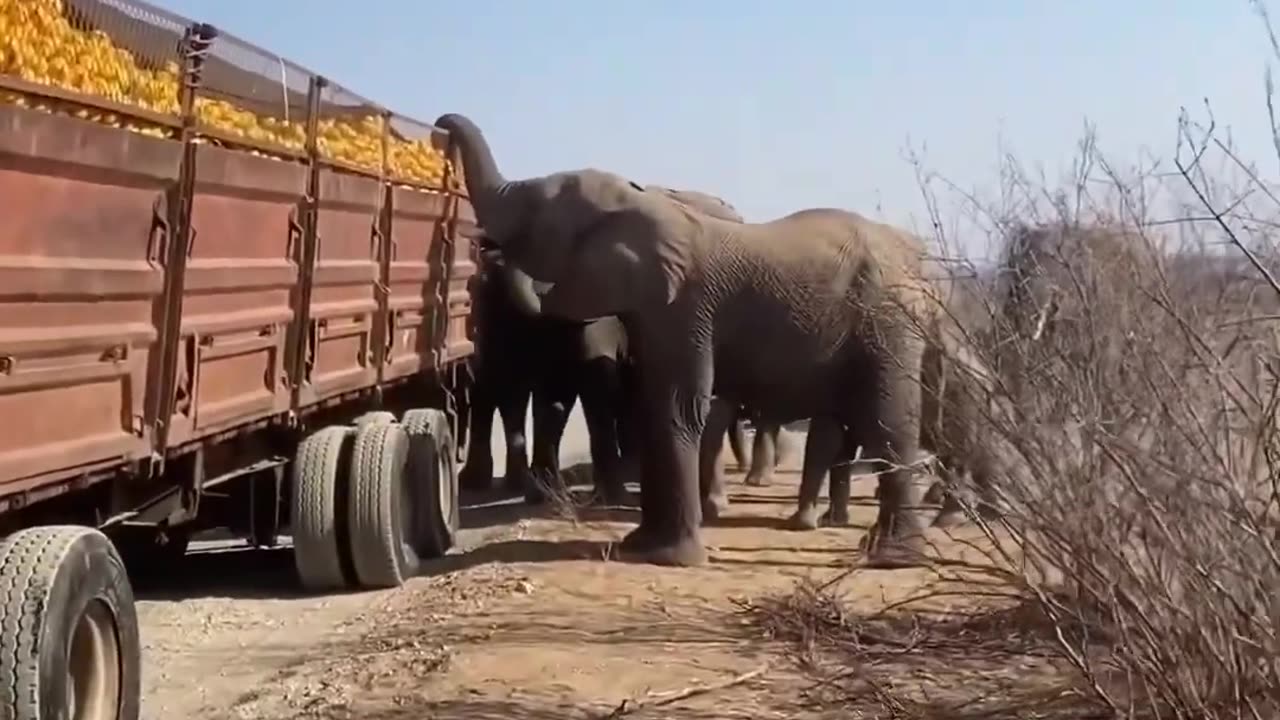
(528, 619)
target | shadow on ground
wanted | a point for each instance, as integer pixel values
(231, 572)
(537, 709)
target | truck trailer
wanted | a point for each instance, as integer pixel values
(233, 295)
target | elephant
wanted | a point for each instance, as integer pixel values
(550, 361)
(553, 362)
(955, 385)
(766, 448)
(838, 299)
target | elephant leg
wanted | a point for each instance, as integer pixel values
(763, 455)
(738, 440)
(821, 448)
(514, 408)
(630, 427)
(781, 445)
(715, 501)
(886, 422)
(674, 402)
(952, 513)
(837, 514)
(552, 403)
(477, 471)
(601, 393)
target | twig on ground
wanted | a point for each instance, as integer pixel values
(628, 706)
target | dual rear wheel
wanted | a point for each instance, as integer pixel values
(372, 500)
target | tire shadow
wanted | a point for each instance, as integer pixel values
(231, 572)
(521, 551)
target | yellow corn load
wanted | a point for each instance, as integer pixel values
(38, 44)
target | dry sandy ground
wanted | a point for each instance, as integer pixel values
(528, 619)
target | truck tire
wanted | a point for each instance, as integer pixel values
(379, 514)
(374, 416)
(433, 478)
(319, 483)
(68, 627)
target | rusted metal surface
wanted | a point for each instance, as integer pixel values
(241, 276)
(339, 355)
(157, 295)
(418, 220)
(80, 283)
(458, 344)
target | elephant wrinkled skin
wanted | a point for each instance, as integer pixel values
(813, 315)
(553, 362)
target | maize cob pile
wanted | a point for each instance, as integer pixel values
(40, 45)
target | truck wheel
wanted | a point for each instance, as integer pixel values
(320, 484)
(374, 416)
(433, 479)
(380, 513)
(68, 628)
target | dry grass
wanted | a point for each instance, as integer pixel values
(1131, 331)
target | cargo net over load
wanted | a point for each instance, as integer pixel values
(131, 65)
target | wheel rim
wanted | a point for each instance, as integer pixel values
(93, 690)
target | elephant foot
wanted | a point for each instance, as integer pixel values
(893, 549)
(611, 497)
(803, 519)
(540, 486)
(535, 496)
(643, 545)
(835, 518)
(950, 518)
(715, 506)
(758, 479)
(987, 511)
(516, 480)
(476, 477)
(935, 495)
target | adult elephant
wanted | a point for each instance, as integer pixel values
(957, 388)
(766, 446)
(811, 315)
(553, 362)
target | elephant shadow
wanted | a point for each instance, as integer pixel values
(521, 551)
(502, 506)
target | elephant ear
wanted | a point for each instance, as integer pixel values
(626, 261)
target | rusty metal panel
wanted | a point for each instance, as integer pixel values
(418, 224)
(81, 244)
(344, 291)
(241, 279)
(457, 341)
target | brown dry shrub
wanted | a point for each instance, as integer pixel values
(1133, 407)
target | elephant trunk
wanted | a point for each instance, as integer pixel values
(525, 292)
(485, 183)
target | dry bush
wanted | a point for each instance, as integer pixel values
(1131, 407)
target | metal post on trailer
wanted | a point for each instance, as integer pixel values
(303, 345)
(195, 45)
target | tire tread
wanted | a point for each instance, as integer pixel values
(317, 470)
(375, 548)
(29, 563)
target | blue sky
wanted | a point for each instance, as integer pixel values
(779, 106)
